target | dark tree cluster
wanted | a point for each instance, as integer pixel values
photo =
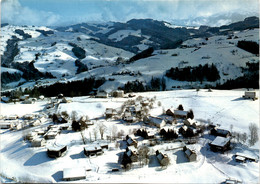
(190, 114)
(78, 51)
(11, 51)
(81, 66)
(199, 73)
(134, 86)
(30, 72)
(168, 135)
(70, 89)
(144, 54)
(22, 33)
(249, 46)
(7, 77)
(142, 132)
(45, 33)
(157, 84)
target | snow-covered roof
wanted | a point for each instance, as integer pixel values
(220, 141)
(156, 120)
(76, 172)
(246, 155)
(180, 113)
(55, 147)
(240, 158)
(92, 148)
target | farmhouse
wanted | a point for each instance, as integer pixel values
(72, 174)
(5, 99)
(24, 97)
(118, 93)
(31, 135)
(92, 150)
(51, 134)
(220, 132)
(162, 158)
(180, 114)
(102, 94)
(12, 117)
(110, 112)
(131, 142)
(220, 144)
(128, 117)
(56, 151)
(155, 121)
(190, 153)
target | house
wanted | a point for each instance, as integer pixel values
(232, 181)
(56, 151)
(118, 93)
(31, 135)
(74, 173)
(51, 134)
(190, 153)
(110, 112)
(250, 95)
(162, 158)
(243, 157)
(220, 144)
(104, 145)
(155, 121)
(29, 116)
(41, 97)
(128, 117)
(131, 152)
(102, 94)
(60, 96)
(188, 131)
(18, 126)
(131, 142)
(92, 150)
(12, 117)
(191, 122)
(220, 132)
(180, 114)
(37, 142)
(145, 103)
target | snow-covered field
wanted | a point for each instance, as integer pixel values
(21, 162)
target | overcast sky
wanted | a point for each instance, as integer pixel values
(64, 12)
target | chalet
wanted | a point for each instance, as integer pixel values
(12, 117)
(190, 153)
(29, 116)
(128, 117)
(191, 122)
(104, 145)
(162, 158)
(180, 114)
(250, 95)
(131, 142)
(18, 126)
(220, 144)
(170, 112)
(155, 121)
(35, 122)
(73, 174)
(56, 151)
(243, 157)
(131, 152)
(145, 103)
(220, 132)
(110, 112)
(92, 150)
(37, 142)
(118, 93)
(31, 135)
(232, 181)
(102, 94)
(27, 101)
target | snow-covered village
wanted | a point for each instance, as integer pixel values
(131, 98)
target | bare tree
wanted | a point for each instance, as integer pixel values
(143, 155)
(95, 132)
(114, 131)
(253, 134)
(74, 116)
(244, 138)
(90, 136)
(102, 128)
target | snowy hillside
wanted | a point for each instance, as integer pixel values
(24, 163)
(96, 46)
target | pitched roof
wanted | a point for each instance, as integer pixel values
(181, 113)
(220, 141)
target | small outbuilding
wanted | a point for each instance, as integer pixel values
(102, 94)
(156, 121)
(131, 142)
(191, 122)
(110, 112)
(243, 157)
(190, 153)
(72, 174)
(250, 95)
(37, 142)
(6, 125)
(92, 150)
(180, 114)
(56, 151)
(220, 132)
(118, 93)
(162, 158)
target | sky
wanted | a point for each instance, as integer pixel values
(66, 12)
